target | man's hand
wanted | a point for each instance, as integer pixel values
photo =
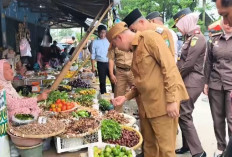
(113, 79)
(118, 101)
(206, 89)
(44, 95)
(173, 110)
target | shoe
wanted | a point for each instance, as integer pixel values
(218, 153)
(203, 154)
(182, 150)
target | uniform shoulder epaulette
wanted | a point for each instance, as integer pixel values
(216, 34)
(159, 30)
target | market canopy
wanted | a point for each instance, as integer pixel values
(65, 14)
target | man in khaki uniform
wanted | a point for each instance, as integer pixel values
(124, 76)
(136, 22)
(158, 84)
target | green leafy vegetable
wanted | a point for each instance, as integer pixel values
(54, 95)
(24, 116)
(85, 100)
(104, 104)
(110, 130)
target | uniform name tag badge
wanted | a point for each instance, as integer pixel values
(194, 41)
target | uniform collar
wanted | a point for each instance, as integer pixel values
(196, 31)
(135, 41)
(223, 35)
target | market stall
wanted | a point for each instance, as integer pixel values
(75, 115)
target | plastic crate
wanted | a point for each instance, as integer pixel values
(75, 144)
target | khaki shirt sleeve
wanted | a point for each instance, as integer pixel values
(111, 54)
(161, 54)
(132, 93)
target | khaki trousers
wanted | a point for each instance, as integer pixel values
(159, 135)
(124, 80)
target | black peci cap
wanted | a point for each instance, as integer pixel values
(153, 15)
(132, 17)
(101, 27)
(181, 14)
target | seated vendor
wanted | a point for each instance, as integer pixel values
(20, 71)
(15, 103)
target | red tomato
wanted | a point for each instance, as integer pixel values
(59, 105)
(58, 109)
(69, 107)
(63, 108)
(72, 105)
(50, 109)
(58, 101)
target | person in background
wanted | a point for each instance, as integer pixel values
(74, 42)
(99, 53)
(124, 77)
(224, 8)
(156, 17)
(64, 54)
(218, 74)
(55, 50)
(190, 66)
(54, 55)
(157, 82)
(10, 55)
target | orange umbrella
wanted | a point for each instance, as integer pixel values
(215, 26)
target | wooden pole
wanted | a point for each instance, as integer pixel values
(79, 68)
(80, 47)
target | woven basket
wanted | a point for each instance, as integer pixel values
(16, 133)
(138, 133)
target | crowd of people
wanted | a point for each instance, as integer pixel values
(145, 61)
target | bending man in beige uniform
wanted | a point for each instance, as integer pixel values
(124, 77)
(157, 82)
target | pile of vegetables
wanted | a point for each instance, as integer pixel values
(55, 95)
(128, 139)
(113, 133)
(110, 130)
(78, 83)
(61, 105)
(105, 105)
(81, 114)
(85, 100)
(109, 151)
(69, 74)
(65, 88)
(84, 91)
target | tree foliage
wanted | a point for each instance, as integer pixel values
(167, 7)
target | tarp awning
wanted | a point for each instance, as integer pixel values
(65, 13)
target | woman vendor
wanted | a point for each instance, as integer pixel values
(15, 103)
